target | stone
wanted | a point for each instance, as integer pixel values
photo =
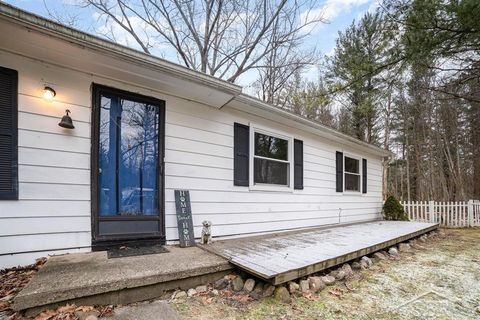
(281, 294)
(417, 246)
(348, 270)
(255, 295)
(393, 251)
(201, 289)
(403, 247)
(422, 239)
(328, 280)
(249, 285)
(257, 292)
(158, 310)
(83, 315)
(356, 265)
(258, 287)
(304, 286)
(237, 284)
(221, 284)
(214, 292)
(293, 287)
(269, 290)
(316, 284)
(91, 317)
(179, 295)
(191, 292)
(379, 256)
(385, 253)
(367, 260)
(364, 264)
(339, 275)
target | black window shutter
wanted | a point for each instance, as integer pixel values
(8, 134)
(364, 175)
(298, 164)
(339, 166)
(241, 153)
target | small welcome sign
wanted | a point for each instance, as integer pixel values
(184, 218)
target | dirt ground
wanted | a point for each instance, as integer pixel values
(441, 281)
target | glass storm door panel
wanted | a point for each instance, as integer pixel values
(129, 158)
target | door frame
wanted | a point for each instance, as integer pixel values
(104, 242)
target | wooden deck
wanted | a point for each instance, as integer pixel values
(278, 258)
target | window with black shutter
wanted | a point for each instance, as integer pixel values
(8, 134)
(266, 160)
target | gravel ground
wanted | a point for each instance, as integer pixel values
(441, 281)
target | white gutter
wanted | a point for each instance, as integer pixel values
(329, 132)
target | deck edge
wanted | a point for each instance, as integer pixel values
(305, 271)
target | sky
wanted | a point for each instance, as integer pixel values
(339, 13)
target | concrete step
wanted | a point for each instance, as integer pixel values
(93, 279)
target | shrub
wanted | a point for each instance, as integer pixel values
(393, 210)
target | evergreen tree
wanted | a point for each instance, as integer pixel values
(361, 53)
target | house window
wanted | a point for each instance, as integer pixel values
(352, 174)
(271, 159)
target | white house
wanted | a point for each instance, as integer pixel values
(144, 127)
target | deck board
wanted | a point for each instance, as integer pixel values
(278, 258)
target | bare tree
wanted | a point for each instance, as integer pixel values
(223, 38)
(281, 70)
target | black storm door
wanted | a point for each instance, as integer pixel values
(127, 163)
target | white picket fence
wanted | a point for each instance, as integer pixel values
(454, 214)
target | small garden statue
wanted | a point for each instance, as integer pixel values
(206, 233)
(393, 210)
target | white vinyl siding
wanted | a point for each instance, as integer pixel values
(53, 213)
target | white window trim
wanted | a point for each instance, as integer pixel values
(275, 133)
(360, 173)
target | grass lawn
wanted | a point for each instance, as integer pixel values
(441, 281)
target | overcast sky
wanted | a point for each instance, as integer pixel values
(339, 13)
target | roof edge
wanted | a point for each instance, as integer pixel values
(257, 103)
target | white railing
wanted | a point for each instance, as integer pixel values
(447, 213)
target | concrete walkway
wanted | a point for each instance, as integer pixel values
(92, 278)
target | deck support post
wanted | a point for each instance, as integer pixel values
(431, 211)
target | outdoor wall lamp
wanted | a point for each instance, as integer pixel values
(49, 93)
(66, 121)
